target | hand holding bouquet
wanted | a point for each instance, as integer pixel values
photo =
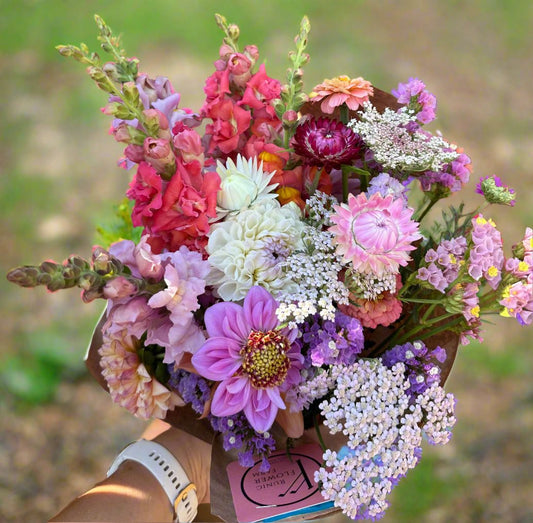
(277, 265)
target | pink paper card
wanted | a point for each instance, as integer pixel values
(287, 491)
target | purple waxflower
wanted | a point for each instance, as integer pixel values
(326, 142)
(252, 358)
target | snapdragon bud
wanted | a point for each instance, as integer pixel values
(159, 154)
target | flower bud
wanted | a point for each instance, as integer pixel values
(290, 117)
(158, 153)
(110, 69)
(118, 288)
(24, 276)
(225, 51)
(102, 261)
(233, 31)
(49, 267)
(188, 143)
(134, 153)
(252, 53)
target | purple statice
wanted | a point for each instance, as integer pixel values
(452, 176)
(486, 253)
(192, 388)
(333, 342)
(494, 191)
(417, 98)
(443, 263)
(235, 430)
(471, 309)
(385, 184)
(520, 269)
(238, 434)
(517, 302)
(421, 366)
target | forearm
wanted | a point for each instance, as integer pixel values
(132, 493)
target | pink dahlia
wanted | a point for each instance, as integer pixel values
(374, 234)
(251, 356)
(326, 142)
(129, 382)
(341, 90)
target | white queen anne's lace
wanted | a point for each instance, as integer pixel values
(395, 147)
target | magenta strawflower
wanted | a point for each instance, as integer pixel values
(326, 142)
(251, 356)
(374, 234)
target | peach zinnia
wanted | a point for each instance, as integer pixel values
(341, 90)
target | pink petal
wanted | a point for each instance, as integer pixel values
(260, 309)
(275, 397)
(225, 403)
(227, 320)
(261, 420)
(217, 359)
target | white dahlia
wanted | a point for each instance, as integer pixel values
(242, 184)
(247, 249)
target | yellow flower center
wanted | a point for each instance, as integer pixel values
(265, 359)
(493, 271)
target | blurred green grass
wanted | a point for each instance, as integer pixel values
(59, 178)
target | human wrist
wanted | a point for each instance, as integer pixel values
(193, 454)
(156, 458)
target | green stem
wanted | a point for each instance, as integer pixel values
(345, 178)
(428, 333)
(420, 300)
(345, 114)
(316, 180)
(319, 435)
(431, 203)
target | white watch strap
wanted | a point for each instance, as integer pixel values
(167, 470)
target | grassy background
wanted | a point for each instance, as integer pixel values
(59, 180)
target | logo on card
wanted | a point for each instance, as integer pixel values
(287, 482)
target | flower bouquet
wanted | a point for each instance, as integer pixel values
(276, 267)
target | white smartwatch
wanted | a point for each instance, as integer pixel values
(167, 470)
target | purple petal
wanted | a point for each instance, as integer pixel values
(217, 359)
(260, 419)
(225, 403)
(275, 397)
(260, 309)
(227, 319)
